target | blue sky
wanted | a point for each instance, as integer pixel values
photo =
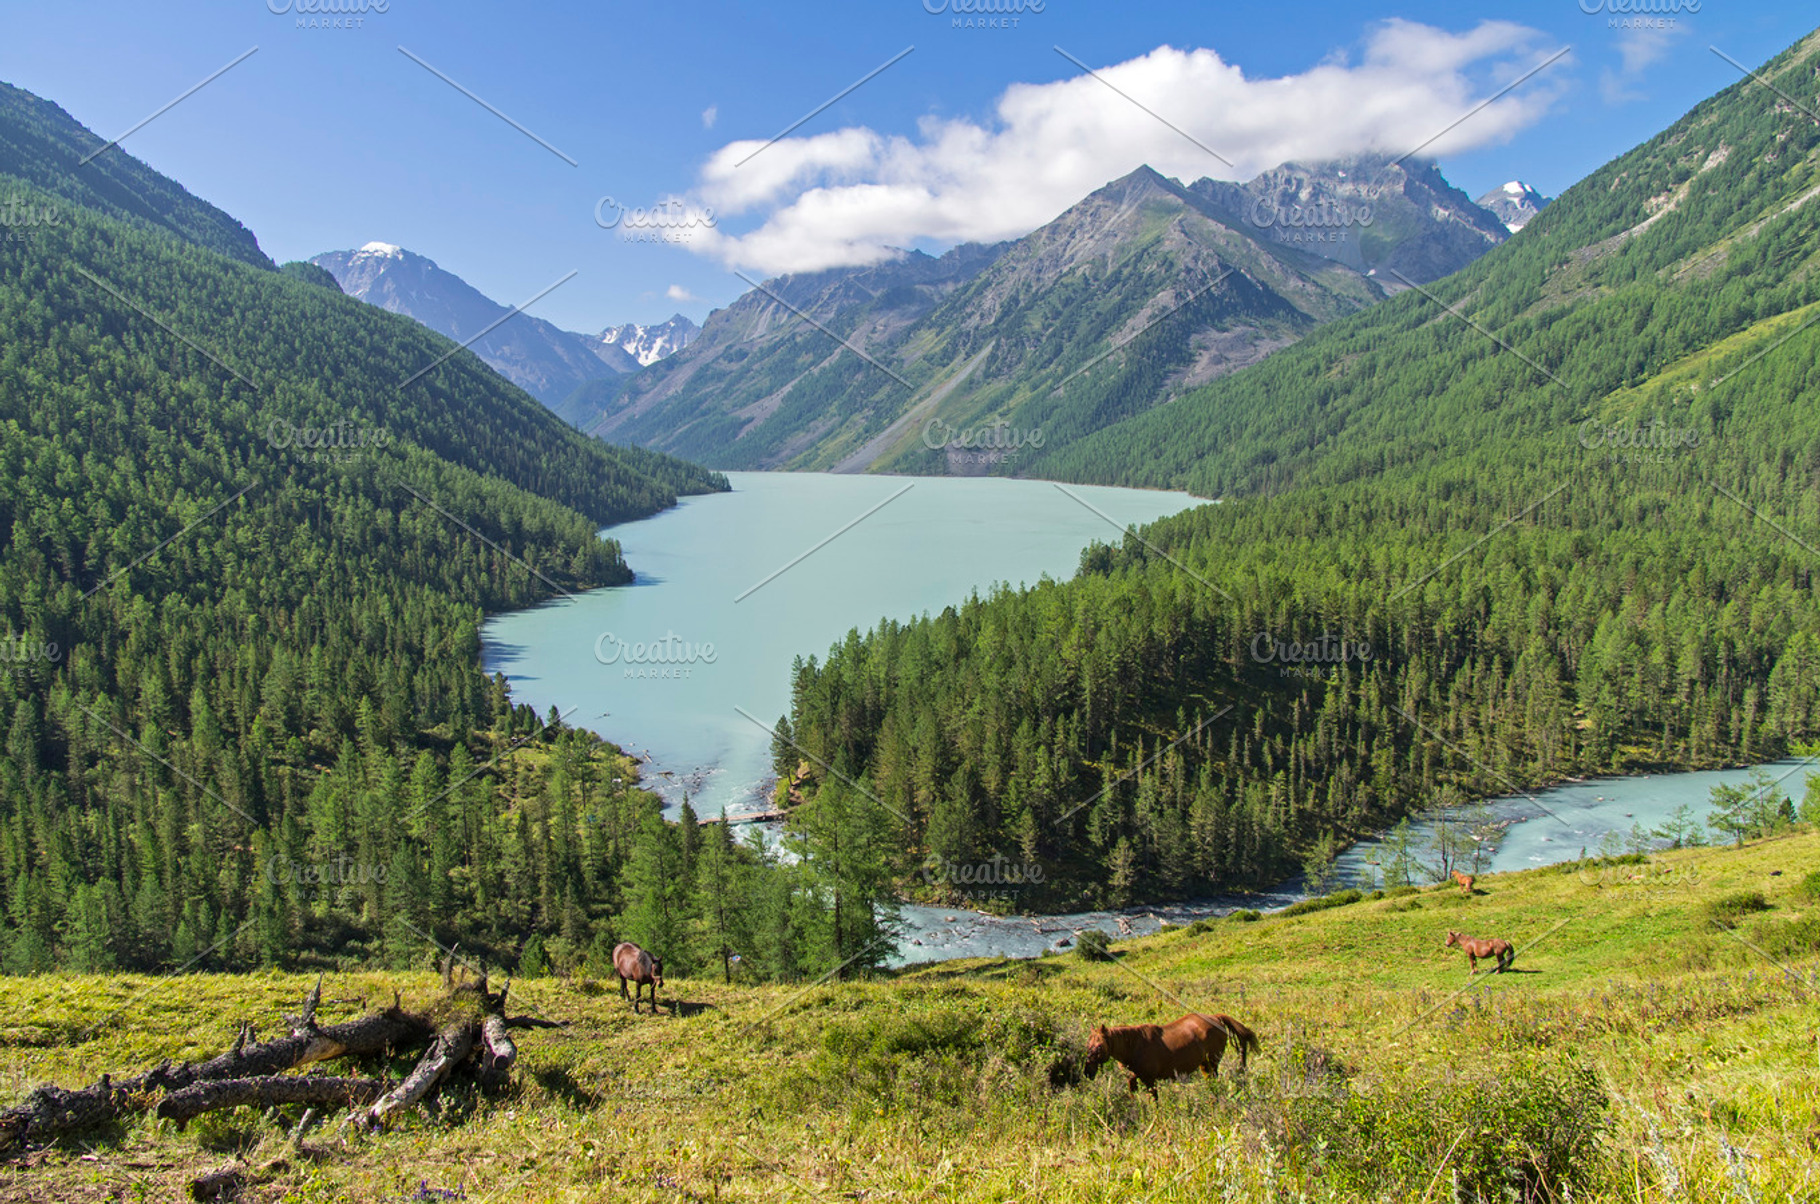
(328, 138)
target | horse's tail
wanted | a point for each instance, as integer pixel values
(1248, 1040)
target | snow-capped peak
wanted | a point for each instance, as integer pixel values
(1514, 204)
(391, 250)
(648, 344)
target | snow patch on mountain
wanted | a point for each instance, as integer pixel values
(648, 344)
(1515, 204)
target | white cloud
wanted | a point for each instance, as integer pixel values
(1638, 49)
(708, 115)
(677, 292)
(852, 195)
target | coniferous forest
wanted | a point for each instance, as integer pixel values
(242, 585)
(1564, 499)
(312, 890)
(1551, 508)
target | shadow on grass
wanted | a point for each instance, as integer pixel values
(559, 1082)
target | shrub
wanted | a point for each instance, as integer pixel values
(1094, 946)
(1808, 889)
(1788, 938)
(531, 962)
(1200, 926)
(1527, 1132)
(924, 1047)
(1245, 915)
(1323, 902)
(1727, 910)
(1397, 892)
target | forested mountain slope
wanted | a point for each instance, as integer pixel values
(1572, 533)
(44, 146)
(1136, 294)
(250, 529)
(1671, 252)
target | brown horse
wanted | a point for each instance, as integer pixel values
(632, 962)
(1166, 1051)
(1465, 881)
(1496, 949)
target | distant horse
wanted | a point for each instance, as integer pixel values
(1497, 948)
(634, 963)
(1152, 1051)
(1465, 881)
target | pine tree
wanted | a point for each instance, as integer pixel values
(656, 894)
(848, 845)
(717, 901)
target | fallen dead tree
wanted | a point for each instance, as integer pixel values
(465, 1030)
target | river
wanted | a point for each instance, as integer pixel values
(1546, 827)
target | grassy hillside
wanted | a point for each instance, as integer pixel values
(1637, 1052)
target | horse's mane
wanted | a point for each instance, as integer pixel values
(1120, 1036)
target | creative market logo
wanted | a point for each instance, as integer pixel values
(1319, 656)
(19, 214)
(1653, 442)
(327, 14)
(670, 658)
(338, 443)
(1323, 221)
(670, 221)
(1639, 14)
(19, 654)
(982, 14)
(985, 445)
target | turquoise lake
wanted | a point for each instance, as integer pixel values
(733, 587)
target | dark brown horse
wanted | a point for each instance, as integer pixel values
(1166, 1051)
(632, 962)
(1495, 949)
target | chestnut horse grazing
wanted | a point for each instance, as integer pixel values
(1166, 1051)
(632, 962)
(1496, 949)
(1465, 881)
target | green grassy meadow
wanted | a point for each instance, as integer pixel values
(1639, 1050)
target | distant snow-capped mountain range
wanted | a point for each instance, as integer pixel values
(1025, 332)
(1514, 204)
(539, 357)
(648, 344)
(1423, 227)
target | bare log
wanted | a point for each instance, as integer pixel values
(498, 1053)
(501, 1050)
(269, 1091)
(222, 1183)
(252, 1072)
(452, 1046)
(51, 1111)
